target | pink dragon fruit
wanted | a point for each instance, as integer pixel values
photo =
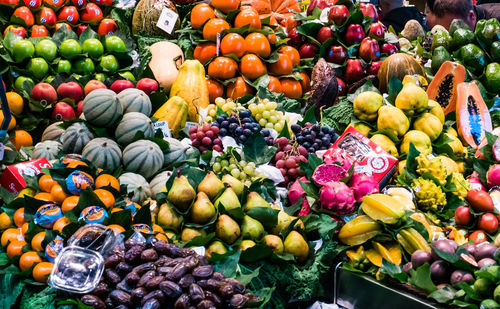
(295, 193)
(493, 176)
(338, 156)
(337, 197)
(326, 173)
(362, 184)
(475, 183)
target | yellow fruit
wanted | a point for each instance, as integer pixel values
(16, 102)
(361, 127)
(412, 99)
(429, 124)
(381, 207)
(5, 221)
(12, 123)
(385, 143)
(366, 105)
(359, 230)
(392, 120)
(420, 140)
(436, 110)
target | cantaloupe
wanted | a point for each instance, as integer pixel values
(76, 137)
(137, 187)
(102, 108)
(48, 149)
(103, 153)
(130, 125)
(135, 100)
(52, 132)
(143, 157)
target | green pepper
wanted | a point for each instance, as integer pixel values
(495, 51)
(488, 31)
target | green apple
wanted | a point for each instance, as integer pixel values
(100, 77)
(22, 50)
(83, 66)
(69, 49)
(114, 44)
(127, 75)
(109, 64)
(63, 66)
(49, 79)
(46, 49)
(38, 67)
(93, 47)
(18, 84)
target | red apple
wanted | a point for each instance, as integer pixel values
(120, 85)
(307, 50)
(296, 39)
(79, 30)
(147, 85)
(79, 3)
(103, 2)
(342, 87)
(79, 108)
(44, 94)
(354, 70)
(33, 4)
(374, 67)
(69, 14)
(54, 4)
(377, 30)
(369, 50)
(23, 14)
(107, 26)
(338, 14)
(320, 4)
(388, 48)
(21, 31)
(354, 34)
(63, 111)
(93, 85)
(59, 25)
(324, 34)
(39, 31)
(11, 3)
(369, 9)
(70, 90)
(91, 14)
(336, 54)
(46, 17)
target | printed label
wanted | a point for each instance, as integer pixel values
(167, 20)
(163, 126)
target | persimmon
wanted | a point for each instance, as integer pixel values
(225, 6)
(233, 43)
(257, 43)
(274, 85)
(215, 89)
(200, 14)
(250, 17)
(281, 67)
(238, 89)
(214, 26)
(222, 68)
(252, 67)
(292, 52)
(204, 52)
(291, 88)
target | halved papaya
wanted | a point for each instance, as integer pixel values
(473, 117)
(443, 88)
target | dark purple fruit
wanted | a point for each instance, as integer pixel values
(439, 271)
(485, 250)
(443, 245)
(486, 262)
(419, 258)
(460, 276)
(93, 301)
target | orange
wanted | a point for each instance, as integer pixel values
(10, 235)
(281, 67)
(215, 89)
(16, 102)
(200, 14)
(272, 36)
(257, 43)
(161, 237)
(225, 6)
(15, 248)
(305, 82)
(60, 224)
(214, 26)
(252, 67)
(106, 197)
(12, 123)
(58, 194)
(69, 203)
(75, 164)
(292, 52)
(5, 221)
(105, 180)
(222, 68)
(44, 196)
(274, 84)
(117, 228)
(157, 229)
(238, 89)
(28, 259)
(36, 241)
(25, 227)
(291, 88)
(116, 209)
(21, 139)
(19, 217)
(46, 182)
(42, 271)
(250, 17)
(233, 43)
(204, 52)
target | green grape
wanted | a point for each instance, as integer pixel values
(209, 119)
(249, 170)
(243, 176)
(252, 164)
(269, 125)
(273, 119)
(224, 163)
(233, 160)
(266, 114)
(278, 127)
(217, 167)
(258, 117)
(270, 106)
(213, 113)
(235, 173)
(232, 166)
(263, 122)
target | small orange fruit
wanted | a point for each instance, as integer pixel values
(5, 221)
(157, 229)
(200, 14)
(116, 209)
(46, 182)
(28, 259)
(19, 217)
(58, 194)
(42, 271)
(249, 17)
(16, 102)
(160, 236)
(106, 197)
(36, 242)
(225, 6)
(60, 224)
(10, 235)
(15, 248)
(117, 228)
(75, 164)
(25, 227)
(214, 26)
(105, 180)
(69, 203)
(44, 196)
(12, 123)
(21, 139)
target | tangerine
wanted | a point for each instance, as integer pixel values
(28, 259)
(42, 271)
(204, 52)
(10, 235)
(225, 6)
(257, 43)
(118, 229)
(157, 229)
(25, 227)
(36, 241)
(213, 27)
(15, 248)
(46, 182)
(106, 197)
(69, 203)
(200, 14)
(60, 224)
(105, 180)
(5, 221)
(21, 139)
(76, 163)
(12, 123)
(44, 196)
(160, 236)
(58, 194)
(16, 103)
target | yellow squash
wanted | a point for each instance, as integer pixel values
(175, 112)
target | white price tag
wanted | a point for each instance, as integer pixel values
(190, 125)
(167, 20)
(163, 126)
(199, 250)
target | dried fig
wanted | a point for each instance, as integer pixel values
(93, 301)
(203, 272)
(149, 255)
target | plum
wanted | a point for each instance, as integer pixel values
(485, 250)
(471, 248)
(407, 267)
(420, 257)
(486, 262)
(460, 276)
(445, 245)
(439, 271)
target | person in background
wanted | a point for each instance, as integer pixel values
(396, 14)
(443, 12)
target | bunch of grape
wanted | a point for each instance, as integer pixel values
(239, 126)
(267, 136)
(288, 158)
(266, 114)
(242, 170)
(205, 137)
(227, 105)
(314, 137)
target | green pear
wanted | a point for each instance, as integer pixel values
(247, 243)
(255, 200)
(189, 233)
(235, 184)
(284, 221)
(297, 246)
(227, 229)
(168, 218)
(211, 185)
(203, 210)
(181, 194)
(215, 247)
(229, 199)
(274, 242)
(252, 228)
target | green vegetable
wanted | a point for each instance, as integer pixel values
(473, 58)
(457, 24)
(488, 31)
(439, 56)
(338, 116)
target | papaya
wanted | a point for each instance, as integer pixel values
(175, 112)
(443, 88)
(473, 117)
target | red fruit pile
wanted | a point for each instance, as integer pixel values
(205, 137)
(287, 159)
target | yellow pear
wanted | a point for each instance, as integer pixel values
(255, 200)
(210, 185)
(181, 194)
(203, 210)
(215, 247)
(227, 229)
(284, 221)
(247, 243)
(189, 233)
(252, 228)
(235, 184)
(274, 242)
(229, 199)
(297, 246)
(168, 218)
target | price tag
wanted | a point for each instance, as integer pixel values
(190, 125)
(163, 126)
(167, 20)
(199, 250)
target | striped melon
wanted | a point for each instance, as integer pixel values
(75, 138)
(130, 124)
(143, 157)
(49, 150)
(52, 132)
(102, 108)
(158, 182)
(135, 100)
(137, 187)
(103, 153)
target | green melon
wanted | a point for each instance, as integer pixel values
(176, 152)
(143, 157)
(103, 153)
(76, 137)
(137, 187)
(135, 100)
(102, 108)
(48, 149)
(158, 182)
(130, 125)
(52, 132)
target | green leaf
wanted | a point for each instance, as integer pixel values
(143, 215)
(256, 253)
(10, 39)
(410, 172)
(285, 132)
(199, 241)
(11, 287)
(421, 278)
(442, 146)
(293, 209)
(308, 167)
(368, 86)
(63, 34)
(395, 86)
(245, 279)
(393, 271)
(310, 189)
(257, 150)
(228, 266)
(265, 215)
(444, 295)
(308, 117)
(88, 33)
(339, 115)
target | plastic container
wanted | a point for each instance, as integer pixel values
(96, 237)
